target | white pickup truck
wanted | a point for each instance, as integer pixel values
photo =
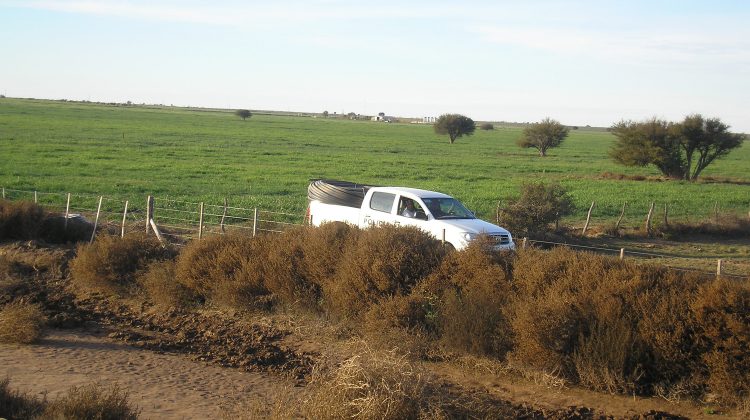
(439, 214)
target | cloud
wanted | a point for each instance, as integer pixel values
(644, 46)
(234, 12)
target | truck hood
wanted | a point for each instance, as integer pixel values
(473, 226)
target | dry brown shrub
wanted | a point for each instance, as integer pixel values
(385, 261)
(20, 220)
(721, 310)
(163, 289)
(368, 385)
(323, 248)
(575, 316)
(226, 270)
(111, 264)
(468, 297)
(18, 405)
(93, 401)
(283, 267)
(21, 322)
(399, 322)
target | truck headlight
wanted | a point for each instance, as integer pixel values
(468, 237)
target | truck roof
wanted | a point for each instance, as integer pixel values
(414, 191)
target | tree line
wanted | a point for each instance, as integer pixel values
(679, 150)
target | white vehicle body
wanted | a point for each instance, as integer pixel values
(384, 205)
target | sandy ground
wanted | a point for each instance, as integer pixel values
(163, 386)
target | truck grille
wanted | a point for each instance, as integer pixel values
(501, 238)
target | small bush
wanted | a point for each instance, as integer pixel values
(163, 289)
(21, 322)
(92, 402)
(369, 385)
(18, 405)
(487, 126)
(21, 220)
(538, 206)
(575, 315)
(468, 295)
(385, 261)
(111, 264)
(226, 270)
(721, 311)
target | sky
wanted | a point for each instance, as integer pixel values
(579, 62)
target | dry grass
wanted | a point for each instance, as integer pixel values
(21, 322)
(723, 226)
(93, 401)
(18, 405)
(111, 264)
(368, 385)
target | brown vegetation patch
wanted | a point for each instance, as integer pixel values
(21, 322)
(110, 265)
(384, 262)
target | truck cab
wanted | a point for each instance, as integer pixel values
(439, 214)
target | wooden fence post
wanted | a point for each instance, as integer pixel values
(67, 213)
(156, 230)
(223, 215)
(588, 218)
(124, 217)
(255, 221)
(648, 219)
(622, 213)
(4, 198)
(497, 213)
(96, 221)
(36, 201)
(149, 212)
(622, 254)
(523, 243)
(200, 223)
(442, 238)
(666, 219)
(718, 268)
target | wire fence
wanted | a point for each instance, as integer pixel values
(181, 221)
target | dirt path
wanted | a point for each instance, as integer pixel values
(163, 386)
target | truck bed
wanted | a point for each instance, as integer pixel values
(341, 193)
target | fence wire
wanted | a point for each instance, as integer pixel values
(181, 221)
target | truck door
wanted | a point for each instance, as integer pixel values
(379, 210)
(410, 212)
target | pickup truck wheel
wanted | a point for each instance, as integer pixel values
(448, 247)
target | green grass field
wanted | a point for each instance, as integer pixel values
(266, 161)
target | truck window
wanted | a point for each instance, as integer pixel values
(381, 201)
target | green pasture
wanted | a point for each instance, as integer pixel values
(266, 161)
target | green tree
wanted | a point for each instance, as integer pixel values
(679, 150)
(543, 135)
(325, 114)
(243, 113)
(702, 141)
(650, 142)
(455, 126)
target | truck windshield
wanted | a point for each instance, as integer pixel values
(447, 208)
